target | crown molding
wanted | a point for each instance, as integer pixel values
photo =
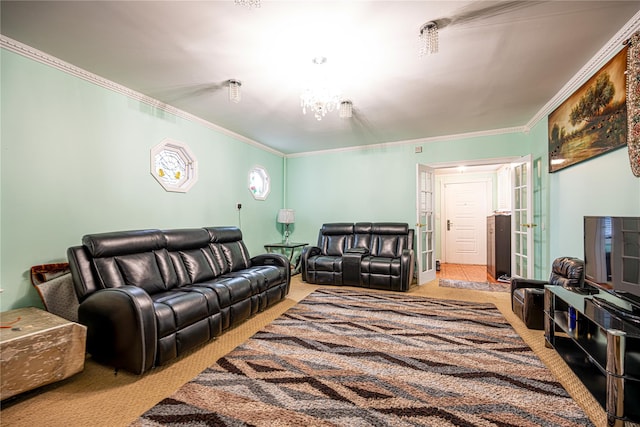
(39, 56)
(609, 50)
(458, 136)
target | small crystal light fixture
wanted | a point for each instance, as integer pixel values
(234, 90)
(321, 98)
(251, 4)
(428, 39)
(346, 110)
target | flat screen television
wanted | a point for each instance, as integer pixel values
(612, 254)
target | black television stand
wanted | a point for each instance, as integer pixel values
(601, 345)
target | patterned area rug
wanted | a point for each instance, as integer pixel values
(479, 286)
(347, 358)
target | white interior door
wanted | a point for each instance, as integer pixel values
(522, 258)
(465, 222)
(425, 243)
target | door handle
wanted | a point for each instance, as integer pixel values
(449, 224)
(529, 225)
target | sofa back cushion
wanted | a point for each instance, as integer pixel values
(191, 256)
(139, 270)
(335, 238)
(389, 239)
(135, 258)
(362, 235)
(228, 249)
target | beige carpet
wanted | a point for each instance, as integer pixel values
(97, 397)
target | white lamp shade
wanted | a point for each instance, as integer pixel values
(286, 216)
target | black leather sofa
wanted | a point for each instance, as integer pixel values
(149, 296)
(370, 255)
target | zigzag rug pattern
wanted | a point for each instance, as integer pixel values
(349, 358)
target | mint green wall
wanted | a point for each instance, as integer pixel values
(378, 183)
(75, 160)
(374, 184)
(604, 185)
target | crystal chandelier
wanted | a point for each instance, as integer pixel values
(428, 39)
(321, 98)
(251, 4)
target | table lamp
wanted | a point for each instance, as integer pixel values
(286, 217)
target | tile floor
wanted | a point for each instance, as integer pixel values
(465, 272)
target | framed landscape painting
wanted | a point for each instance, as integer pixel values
(593, 120)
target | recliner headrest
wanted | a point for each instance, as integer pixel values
(390, 228)
(224, 234)
(191, 238)
(336, 228)
(363, 227)
(124, 242)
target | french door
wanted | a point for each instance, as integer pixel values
(425, 219)
(522, 255)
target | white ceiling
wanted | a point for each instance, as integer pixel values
(499, 63)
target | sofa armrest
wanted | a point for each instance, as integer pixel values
(520, 282)
(307, 252)
(121, 328)
(271, 259)
(351, 265)
(357, 251)
(407, 262)
(277, 260)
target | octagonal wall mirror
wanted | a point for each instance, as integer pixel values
(174, 166)
(259, 183)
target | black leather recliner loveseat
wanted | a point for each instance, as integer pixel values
(370, 255)
(150, 296)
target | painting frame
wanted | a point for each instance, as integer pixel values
(593, 120)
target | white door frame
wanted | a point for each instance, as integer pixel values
(467, 163)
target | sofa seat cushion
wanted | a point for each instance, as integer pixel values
(324, 269)
(229, 289)
(380, 272)
(236, 297)
(177, 309)
(380, 265)
(326, 263)
(262, 277)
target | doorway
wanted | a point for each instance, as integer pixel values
(466, 206)
(498, 195)
(500, 172)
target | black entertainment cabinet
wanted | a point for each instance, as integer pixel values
(499, 245)
(600, 342)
